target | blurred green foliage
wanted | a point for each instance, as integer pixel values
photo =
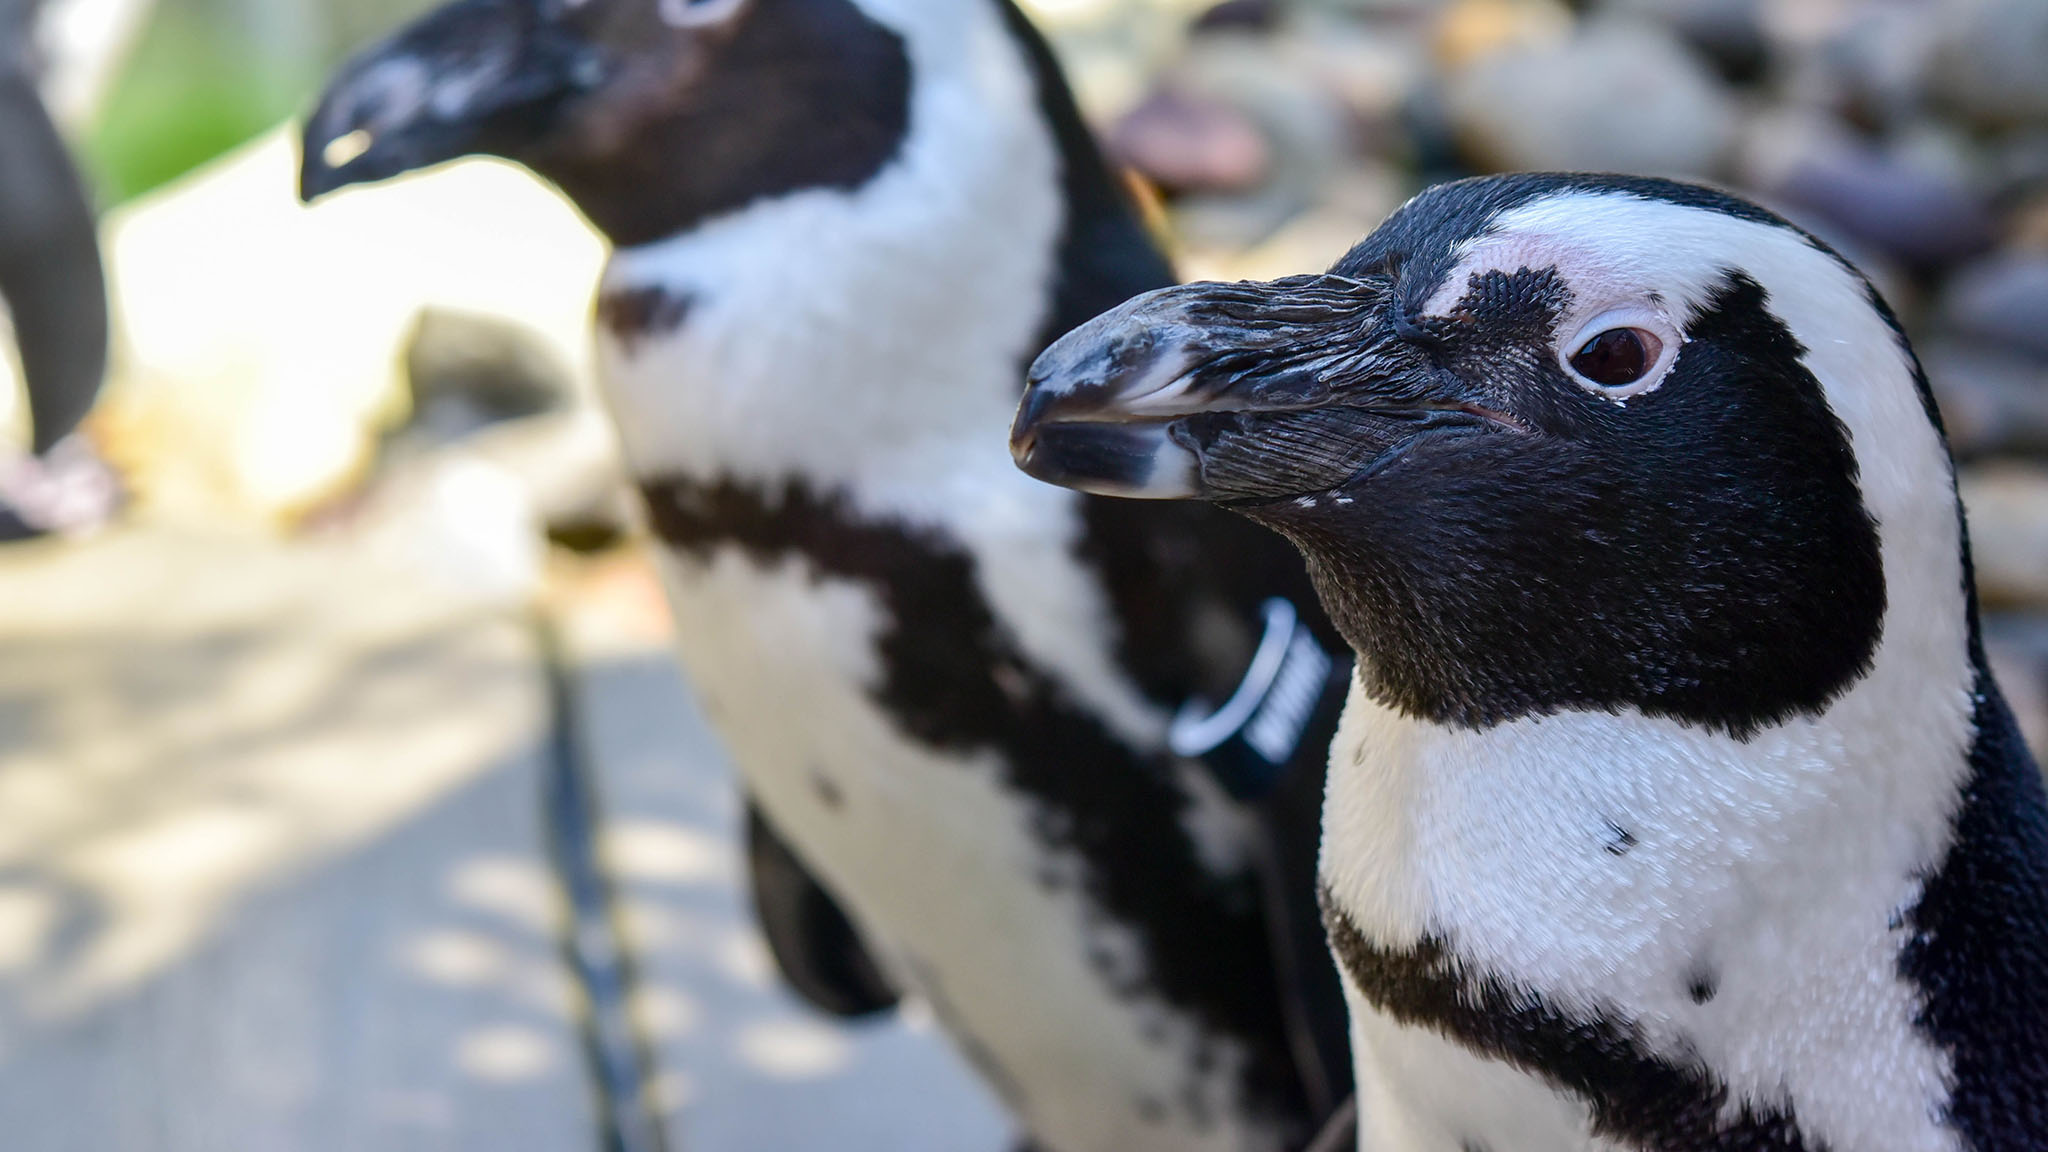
(196, 87)
(208, 75)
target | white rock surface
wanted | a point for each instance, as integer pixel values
(258, 341)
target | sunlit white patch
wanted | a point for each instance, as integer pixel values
(347, 149)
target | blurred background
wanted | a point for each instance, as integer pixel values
(316, 832)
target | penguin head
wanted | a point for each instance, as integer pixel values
(1548, 442)
(650, 114)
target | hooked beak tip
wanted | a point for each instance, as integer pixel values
(1072, 432)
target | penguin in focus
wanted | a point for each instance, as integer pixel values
(1674, 807)
(1050, 762)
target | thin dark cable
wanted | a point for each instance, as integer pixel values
(618, 1053)
(1281, 930)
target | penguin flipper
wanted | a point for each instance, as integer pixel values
(814, 943)
(50, 272)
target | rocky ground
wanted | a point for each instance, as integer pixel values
(1912, 137)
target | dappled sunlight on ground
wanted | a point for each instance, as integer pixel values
(273, 874)
(188, 719)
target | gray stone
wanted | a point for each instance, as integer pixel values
(1991, 61)
(1909, 198)
(2017, 647)
(1187, 143)
(1993, 401)
(2002, 300)
(1301, 120)
(1239, 15)
(468, 371)
(2008, 509)
(1618, 95)
(2019, 172)
(1728, 33)
(1872, 69)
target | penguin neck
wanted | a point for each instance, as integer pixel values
(856, 340)
(1722, 901)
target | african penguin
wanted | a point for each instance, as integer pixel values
(1673, 807)
(1050, 762)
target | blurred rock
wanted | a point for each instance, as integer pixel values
(2001, 300)
(1302, 122)
(568, 464)
(1991, 61)
(1186, 143)
(1911, 203)
(2008, 508)
(1619, 96)
(1354, 206)
(1366, 67)
(1430, 135)
(1240, 15)
(1992, 402)
(459, 522)
(2017, 647)
(1469, 31)
(1728, 33)
(1873, 70)
(2028, 221)
(1374, 9)
(466, 371)
(490, 393)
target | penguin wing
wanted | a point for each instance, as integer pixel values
(814, 943)
(1189, 585)
(50, 274)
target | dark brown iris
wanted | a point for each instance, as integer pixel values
(1617, 356)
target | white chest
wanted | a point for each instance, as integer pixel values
(943, 864)
(1732, 906)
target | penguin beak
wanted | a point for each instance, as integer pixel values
(1234, 392)
(50, 268)
(474, 77)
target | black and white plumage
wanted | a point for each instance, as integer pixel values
(50, 274)
(1674, 806)
(842, 228)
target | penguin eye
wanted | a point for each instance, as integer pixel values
(1617, 357)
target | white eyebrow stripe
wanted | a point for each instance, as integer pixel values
(1615, 244)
